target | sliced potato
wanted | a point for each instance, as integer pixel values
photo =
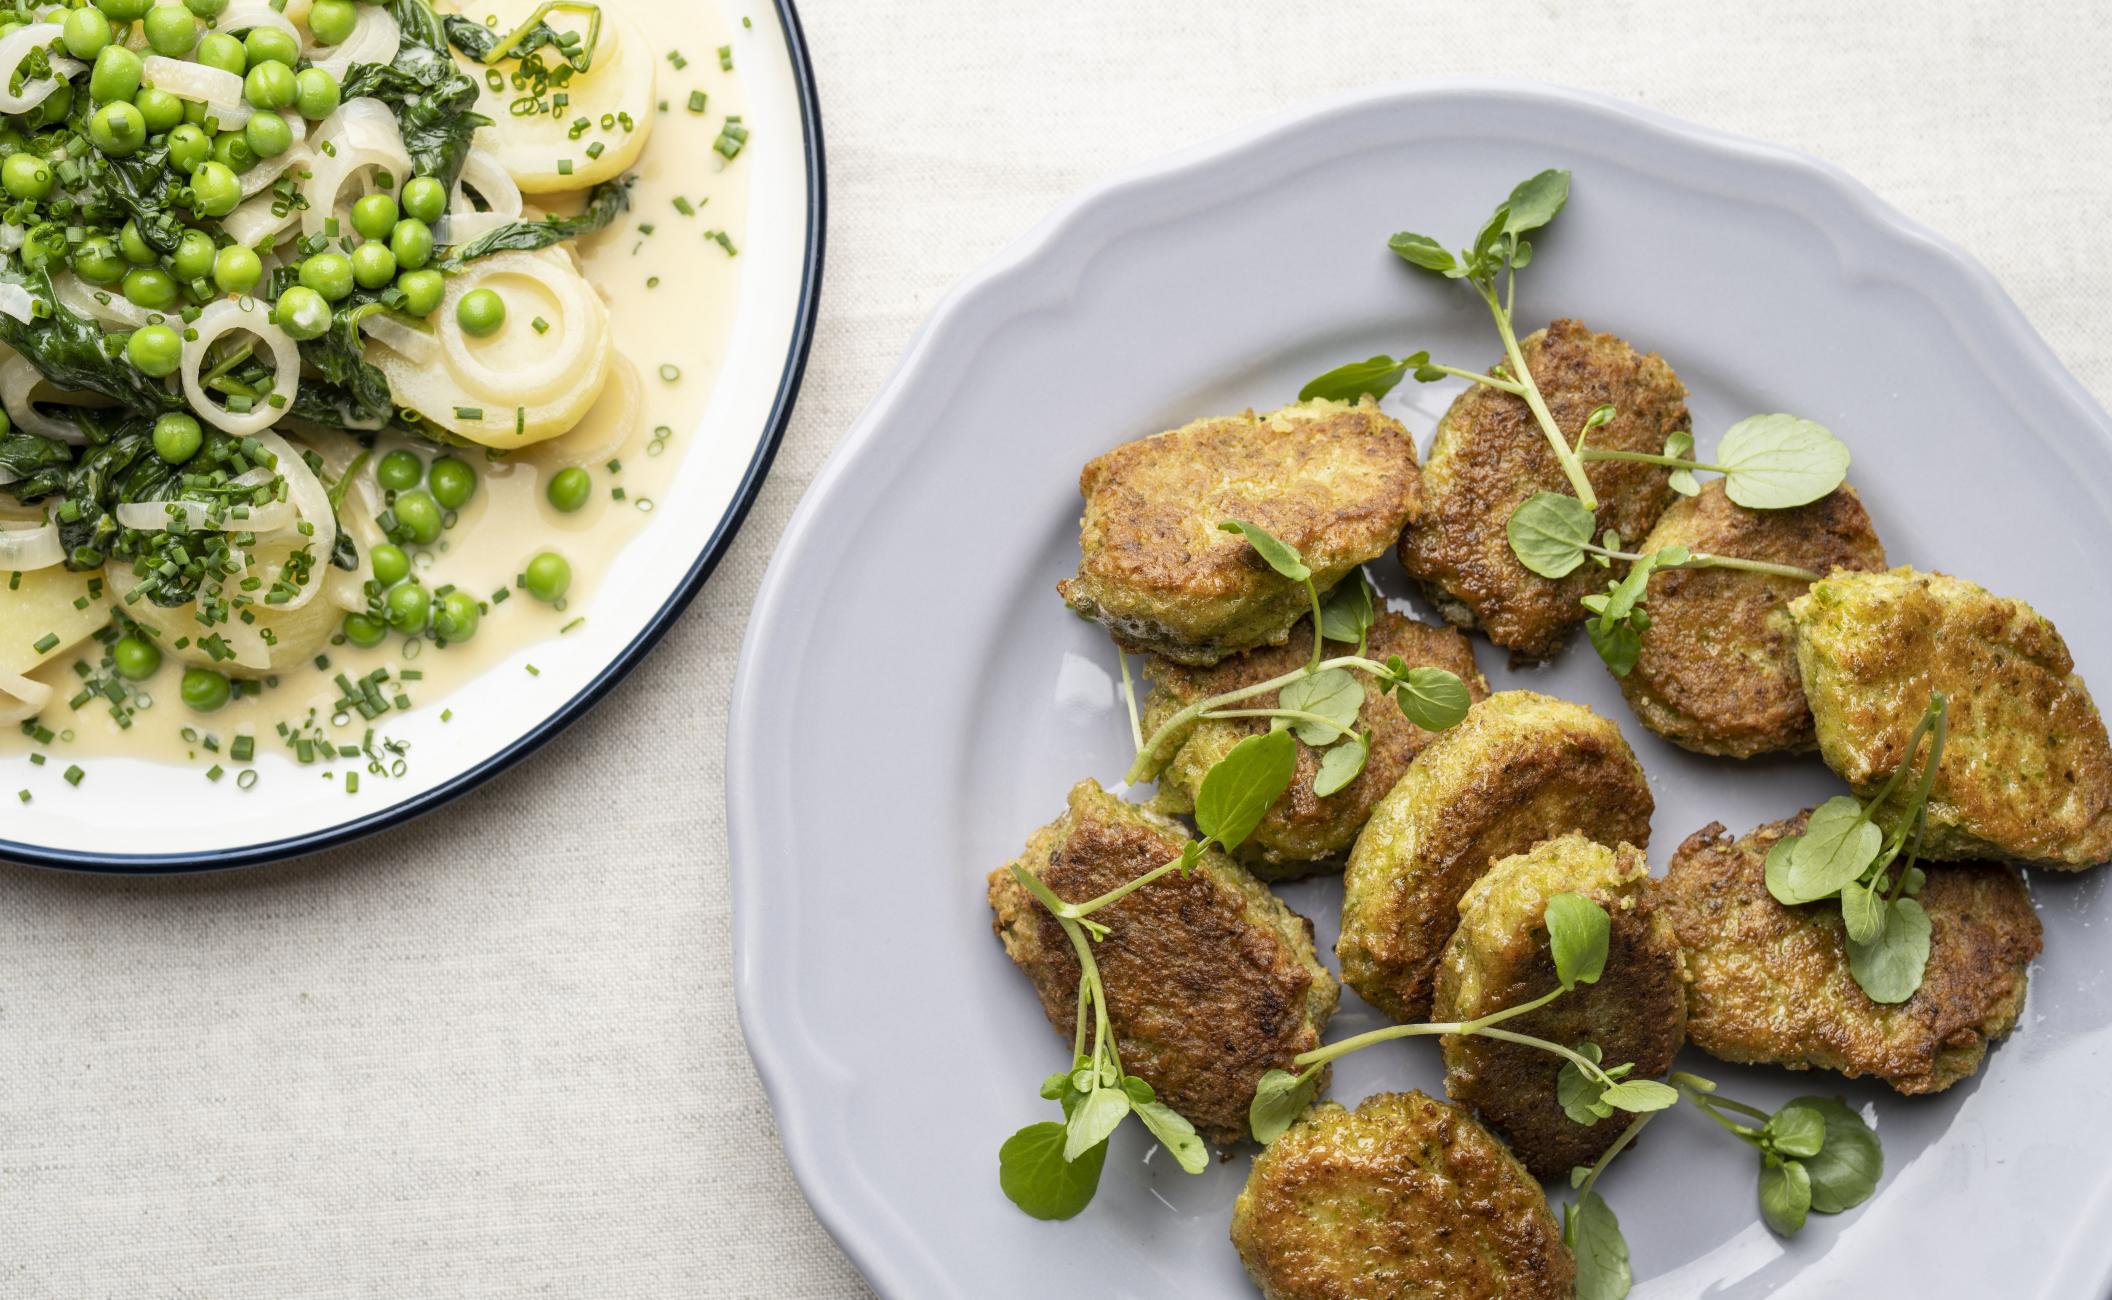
(40, 604)
(619, 84)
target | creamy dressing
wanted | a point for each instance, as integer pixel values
(672, 297)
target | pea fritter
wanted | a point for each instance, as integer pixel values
(1302, 832)
(1403, 1197)
(2026, 774)
(1521, 768)
(1336, 481)
(1770, 984)
(1718, 668)
(1490, 455)
(1211, 981)
(1499, 957)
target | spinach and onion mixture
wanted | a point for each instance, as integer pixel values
(247, 247)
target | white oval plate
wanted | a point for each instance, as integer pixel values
(914, 699)
(504, 714)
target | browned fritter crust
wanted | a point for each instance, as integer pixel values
(1336, 481)
(1521, 768)
(1718, 669)
(1302, 833)
(1499, 957)
(1770, 984)
(1404, 1197)
(1211, 981)
(1490, 455)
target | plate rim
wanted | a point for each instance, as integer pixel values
(714, 550)
(841, 1202)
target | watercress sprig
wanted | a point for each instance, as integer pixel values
(1578, 934)
(1848, 849)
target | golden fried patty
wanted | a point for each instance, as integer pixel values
(1302, 832)
(1499, 958)
(1405, 1197)
(1338, 482)
(1491, 454)
(1718, 669)
(1520, 769)
(1211, 981)
(2026, 774)
(1769, 983)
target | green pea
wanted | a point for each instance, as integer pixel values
(156, 350)
(270, 86)
(569, 488)
(26, 176)
(205, 690)
(332, 21)
(302, 313)
(118, 129)
(329, 274)
(206, 8)
(152, 288)
(215, 191)
(135, 660)
(399, 471)
(194, 256)
(373, 266)
(365, 631)
(219, 50)
(456, 619)
(267, 133)
(122, 11)
(85, 33)
(96, 261)
(134, 246)
(412, 243)
(231, 150)
(391, 565)
(422, 291)
(408, 604)
(237, 269)
(548, 577)
(374, 216)
(189, 147)
(116, 75)
(54, 108)
(171, 31)
(425, 198)
(316, 94)
(177, 437)
(453, 482)
(481, 313)
(420, 516)
(44, 245)
(163, 111)
(270, 45)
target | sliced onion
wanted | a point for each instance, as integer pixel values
(216, 88)
(99, 305)
(17, 46)
(12, 237)
(260, 219)
(311, 500)
(20, 698)
(362, 133)
(460, 228)
(553, 371)
(218, 320)
(375, 38)
(38, 547)
(267, 171)
(155, 516)
(415, 344)
(246, 15)
(18, 381)
(482, 173)
(16, 301)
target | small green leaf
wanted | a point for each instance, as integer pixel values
(1680, 446)
(1057, 1085)
(1280, 556)
(1774, 462)
(1916, 878)
(1549, 531)
(1847, 1165)
(1536, 202)
(1890, 969)
(1239, 788)
(1035, 1176)
(1332, 693)
(1838, 845)
(1785, 1195)
(1581, 1096)
(1422, 251)
(1176, 1134)
(1378, 376)
(1482, 259)
(1640, 1096)
(1594, 1237)
(1578, 932)
(1140, 1092)
(1618, 641)
(1433, 698)
(1797, 1130)
(1191, 853)
(1347, 611)
(1340, 765)
(1100, 1114)
(1863, 912)
(1279, 1099)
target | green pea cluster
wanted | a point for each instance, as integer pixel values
(389, 252)
(421, 502)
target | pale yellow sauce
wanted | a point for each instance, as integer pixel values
(682, 322)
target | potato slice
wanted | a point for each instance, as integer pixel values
(620, 83)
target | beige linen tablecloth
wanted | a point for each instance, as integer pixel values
(494, 1053)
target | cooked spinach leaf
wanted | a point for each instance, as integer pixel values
(69, 351)
(609, 200)
(25, 454)
(433, 99)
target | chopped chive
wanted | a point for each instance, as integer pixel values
(74, 774)
(697, 100)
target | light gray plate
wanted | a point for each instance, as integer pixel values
(914, 699)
